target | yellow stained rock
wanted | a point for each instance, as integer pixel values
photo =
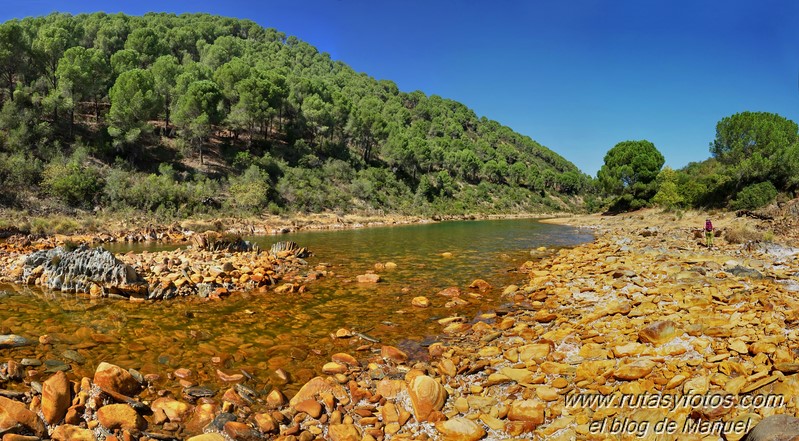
(547, 393)
(629, 349)
(659, 333)
(492, 422)
(635, 370)
(527, 410)
(536, 351)
(549, 367)
(343, 432)
(518, 375)
(496, 378)
(738, 346)
(489, 351)
(427, 395)
(760, 383)
(590, 370)
(675, 381)
(479, 402)
(460, 429)
(420, 302)
(593, 351)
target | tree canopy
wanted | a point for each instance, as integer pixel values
(757, 146)
(629, 172)
(321, 135)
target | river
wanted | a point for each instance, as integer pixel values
(283, 340)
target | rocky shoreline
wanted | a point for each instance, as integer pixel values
(642, 334)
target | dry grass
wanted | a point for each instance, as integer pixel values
(742, 234)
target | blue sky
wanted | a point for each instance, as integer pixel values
(576, 76)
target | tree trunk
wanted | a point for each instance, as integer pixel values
(269, 127)
(11, 87)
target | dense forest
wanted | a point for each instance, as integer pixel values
(180, 115)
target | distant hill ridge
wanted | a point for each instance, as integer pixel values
(178, 115)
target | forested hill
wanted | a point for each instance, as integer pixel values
(178, 115)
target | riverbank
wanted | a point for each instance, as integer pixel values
(645, 312)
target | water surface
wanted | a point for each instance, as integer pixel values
(263, 332)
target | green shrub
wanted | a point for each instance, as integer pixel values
(162, 194)
(754, 196)
(72, 183)
(250, 190)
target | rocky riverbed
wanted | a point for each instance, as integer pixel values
(643, 334)
(212, 266)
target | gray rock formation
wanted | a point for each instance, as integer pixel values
(79, 269)
(775, 428)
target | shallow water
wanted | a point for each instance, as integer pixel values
(260, 333)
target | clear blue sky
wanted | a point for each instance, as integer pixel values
(577, 76)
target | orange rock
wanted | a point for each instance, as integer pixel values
(635, 370)
(67, 432)
(344, 358)
(314, 387)
(311, 407)
(517, 428)
(13, 413)
(390, 413)
(113, 378)
(481, 285)
(452, 291)
(420, 301)
(240, 431)
(55, 398)
(120, 416)
(390, 388)
(266, 423)
(343, 432)
(275, 399)
(213, 436)
(527, 410)
(544, 316)
(231, 378)
(393, 354)
(175, 410)
(659, 333)
(427, 395)
(460, 429)
(334, 368)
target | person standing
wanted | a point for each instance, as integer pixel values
(708, 233)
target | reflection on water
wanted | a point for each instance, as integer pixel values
(263, 332)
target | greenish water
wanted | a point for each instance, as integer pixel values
(262, 332)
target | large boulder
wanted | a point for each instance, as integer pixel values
(80, 270)
(775, 428)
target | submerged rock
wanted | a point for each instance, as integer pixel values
(13, 341)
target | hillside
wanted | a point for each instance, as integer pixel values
(183, 115)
